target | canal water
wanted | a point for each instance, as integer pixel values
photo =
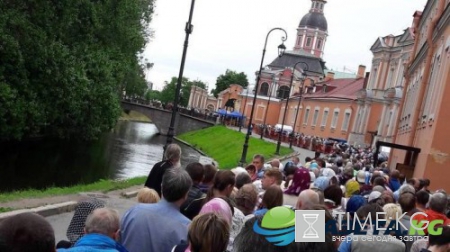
(129, 150)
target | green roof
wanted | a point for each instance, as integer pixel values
(341, 75)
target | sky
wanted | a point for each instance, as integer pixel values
(230, 34)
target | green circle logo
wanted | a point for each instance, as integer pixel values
(278, 226)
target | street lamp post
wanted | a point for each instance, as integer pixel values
(188, 29)
(281, 49)
(243, 110)
(300, 101)
(277, 152)
(267, 110)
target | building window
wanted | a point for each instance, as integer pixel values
(299, 40)
(347, 120)
(324, 118)
(319, 43)
(308, 41)
(264, 89)
(210, 107)
(305, 120)
(315, 116)
(283, 92)
(335, 118)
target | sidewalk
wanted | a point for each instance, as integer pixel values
(58, 210)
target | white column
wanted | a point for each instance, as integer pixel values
(202, 100)
(314, 43)
(191, 97)
(205, 99)
(366, 122)
(355, 123)
(393, 122)
(382, 122)
(274, 89)
(363, 118)
(363, 124)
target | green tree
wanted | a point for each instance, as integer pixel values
(152, 95)
(64, 64)
(168, 92)
(230, 77)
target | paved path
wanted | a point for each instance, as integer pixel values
(61, 222)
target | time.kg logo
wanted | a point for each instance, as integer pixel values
(278, 226)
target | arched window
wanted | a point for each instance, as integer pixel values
(210, 107)
(308, 41)
(283, 92)
(319, 43)
(264, 90)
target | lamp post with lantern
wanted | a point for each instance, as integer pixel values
(300, 100)
(188, 30)
(277, 152)
(281, 49)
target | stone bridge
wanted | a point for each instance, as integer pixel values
(161, 118)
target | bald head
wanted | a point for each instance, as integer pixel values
(103, 221)
(307, 198)
(275, 163)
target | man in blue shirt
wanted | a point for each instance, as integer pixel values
(159, 227)
(101, 231)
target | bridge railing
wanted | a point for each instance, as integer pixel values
(157, 104)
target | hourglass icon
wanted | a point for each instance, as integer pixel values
(310, 232)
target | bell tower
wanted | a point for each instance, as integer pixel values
(312, 32)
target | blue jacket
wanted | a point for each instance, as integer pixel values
(95, 243)
(394, 184)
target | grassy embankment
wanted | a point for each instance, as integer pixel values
(102, 186)
(225, 145)
(134, 116)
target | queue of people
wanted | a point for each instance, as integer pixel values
(200, 208)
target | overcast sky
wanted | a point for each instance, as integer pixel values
(230, 34)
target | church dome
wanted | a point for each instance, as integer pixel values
(315, 20)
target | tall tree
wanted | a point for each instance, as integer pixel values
(230, 77)
(168, 92)
(152, 95)
(64, 64)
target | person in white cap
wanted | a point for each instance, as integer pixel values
(364, 189)
(375, 197)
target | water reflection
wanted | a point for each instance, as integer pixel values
(130, 150)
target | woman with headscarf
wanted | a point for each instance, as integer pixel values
(321, 183)
(76, 227)
(300, 182)
(224, 208)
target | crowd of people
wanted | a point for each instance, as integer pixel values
(200, 208)
(309, 142)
